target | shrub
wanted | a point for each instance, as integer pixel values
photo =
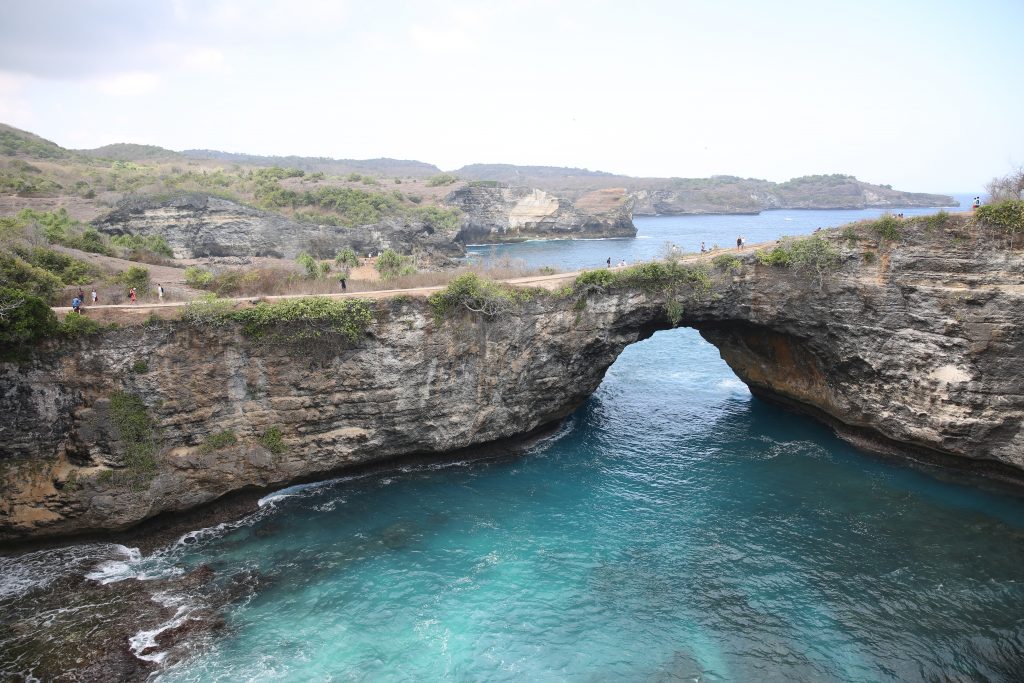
(727, 262)
(936, 221)
(444, 220)
(887, 227)
(478, 295)
(442, 179)
(218, 441)
(197, 277)
(595, 280)
(155, 244)
(286, 321)
(24, 319)
(810, 254)
(76, 325)
(391, 265)
(674, 312)
(851, 235)
(140, 367)
(272, 439)
(137, 434)
(1007, 216)
(19, 274)
(346, 258)
(137, 277)
(310, 265)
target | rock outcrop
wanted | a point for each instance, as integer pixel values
(913, 345)
(197, 225)
(511, 214)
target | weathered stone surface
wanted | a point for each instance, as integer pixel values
(913, 345)
(198, 225)
(509, 214)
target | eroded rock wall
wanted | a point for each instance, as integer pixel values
(509, 214)
(197, 225)
(911, 345)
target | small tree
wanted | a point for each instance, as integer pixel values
(391, 265)
(346, 258)
(137, 277)
(1010, 186)
(310, 265)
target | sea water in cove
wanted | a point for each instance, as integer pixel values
(685, 232)
(674, 528)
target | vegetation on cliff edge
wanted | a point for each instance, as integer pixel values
(289, 320)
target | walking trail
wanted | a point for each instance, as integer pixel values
(127, 314)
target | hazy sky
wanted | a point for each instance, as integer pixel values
(926, 95)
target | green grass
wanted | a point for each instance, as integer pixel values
(138, 436)
(273, 440)
(218, 441)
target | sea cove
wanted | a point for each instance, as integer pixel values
(674, 527)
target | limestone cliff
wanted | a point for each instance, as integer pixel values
(510, 214)
(198, 225)
(911, 345)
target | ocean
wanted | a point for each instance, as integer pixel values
(674, 528)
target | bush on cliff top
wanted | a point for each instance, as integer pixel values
(289, 320)
(474, 293)
(1008, 217)
(811, 254)
(648, 277)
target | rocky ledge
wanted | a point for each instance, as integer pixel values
(909, 343)
(512, 214)
(197, 225)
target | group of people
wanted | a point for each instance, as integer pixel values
(78, 301)
(620, 264)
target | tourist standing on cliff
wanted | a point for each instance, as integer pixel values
(609, 261)
(131, 294)
(703, 249)
(739, 242)
(94, 297)
(160, 292)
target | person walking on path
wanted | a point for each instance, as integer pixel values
(703, 249)
(76, 305)
(609, 261)
(131, 294)
(94, 297)
(160, 292)
(739, 242)
(342, 281)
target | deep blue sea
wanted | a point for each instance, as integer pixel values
(673, 529)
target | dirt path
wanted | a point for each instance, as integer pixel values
(127, 314)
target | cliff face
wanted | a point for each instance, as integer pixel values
(198, 225)
(509, 214)
(910, 346)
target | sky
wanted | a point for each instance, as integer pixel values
(925, 96)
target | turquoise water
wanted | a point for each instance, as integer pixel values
(674, 529)
(685, 232)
